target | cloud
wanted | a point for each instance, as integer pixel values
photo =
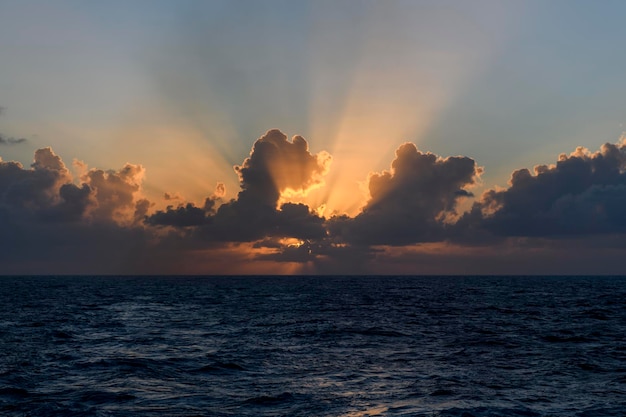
(186, 215)
(11, 141)
(175, 196)
(115, 193)
(182, 216)
(48, 223)
(239, 222)
(100, 221)
(412, 201)
(48, 191)
(583, 193)
(291, 253)
(275, 165)
(33, 189)
(74, 201)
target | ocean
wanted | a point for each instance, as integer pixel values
(313, 346)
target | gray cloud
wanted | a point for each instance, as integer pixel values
(36, 188)
(47, 226)
(74, 201)
(47, 191)
(411, 202)
(114, 192)
(583, 193)
(275, 164)
(100, 223)
(182, 216)
(11, 141)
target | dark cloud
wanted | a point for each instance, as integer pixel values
(47, 191)
(186, 215)
(74, 201)
(291, 253)
(47, 227)
(583, 193)
(141, 209)
(326, 256)
(296, 220)
(411, 202)
(275, 165)
(36, 188)
(269, 242)
(100, 222)
(593, 255)
(182, 216)
(11, 141)
(237, 222)
(53, 246)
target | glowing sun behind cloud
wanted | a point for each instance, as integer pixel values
(382, 83)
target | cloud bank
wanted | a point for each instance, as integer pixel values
(99, 221)
(584, 193)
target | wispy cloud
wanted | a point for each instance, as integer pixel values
(9, 140)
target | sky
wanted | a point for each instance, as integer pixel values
(312, 137)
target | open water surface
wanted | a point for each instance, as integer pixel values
(313, 346)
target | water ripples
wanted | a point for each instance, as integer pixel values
(312, 346)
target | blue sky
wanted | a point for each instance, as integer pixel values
(185, 88)
(508, 83)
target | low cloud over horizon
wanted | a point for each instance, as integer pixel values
(418, 218)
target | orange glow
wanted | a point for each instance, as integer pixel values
(291, 242)
(371, 411)
(386, 98)
(237, 259)
(178, 161)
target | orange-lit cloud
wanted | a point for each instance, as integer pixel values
(411, 202)
(392, 86)
(101, 222)
(277, 165)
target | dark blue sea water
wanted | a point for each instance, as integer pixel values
(312, 346)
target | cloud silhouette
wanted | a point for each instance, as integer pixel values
(101, 222)
(583, 193)
(182, 216)
(51, 224)
(47, 191)
(186, 215)
(74, 201)
(411, 202)
(275, 165)
(36, 188)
